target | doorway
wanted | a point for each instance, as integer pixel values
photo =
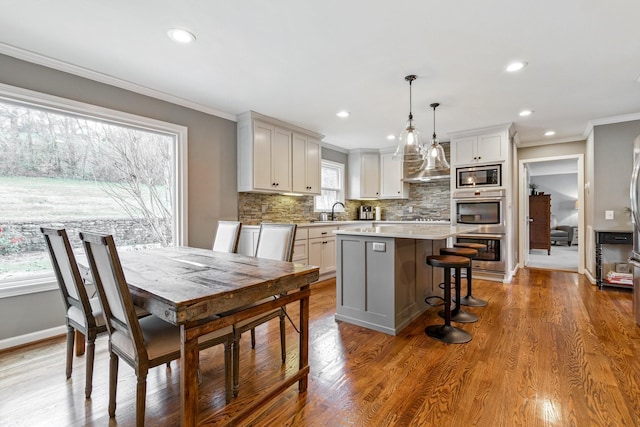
(561, 177)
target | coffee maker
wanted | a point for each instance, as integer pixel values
(365, 213)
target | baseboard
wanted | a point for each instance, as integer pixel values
(32, 337)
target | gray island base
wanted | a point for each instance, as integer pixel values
(382, 277)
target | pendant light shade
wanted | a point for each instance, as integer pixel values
(409, 146)
(434, 156)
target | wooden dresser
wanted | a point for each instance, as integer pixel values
(539, 222)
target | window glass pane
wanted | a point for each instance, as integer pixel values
(330, 177)
(332, 187)
(65, 170)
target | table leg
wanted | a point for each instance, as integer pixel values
(304, 340)
(189, 378)
(80, 343)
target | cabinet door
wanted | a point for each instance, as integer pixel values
(465, 150)
(263, 137)
(281, 159)
(315, 252)
(489, 148)
(370, 176)
(314, 157)
(329, 256)
(391, 184)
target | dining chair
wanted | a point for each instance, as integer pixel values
(275, 241)
(82, 314)
(227, 236)
(141, 343)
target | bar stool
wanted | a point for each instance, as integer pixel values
(470, 300)
(457, 314)
(447, 333)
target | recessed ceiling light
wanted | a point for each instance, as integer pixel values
(550, 133)
(525, 113)
(516, 66)
(343, 114)
(391, 137)
(181, 36)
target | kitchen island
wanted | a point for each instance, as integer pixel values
(382, 278)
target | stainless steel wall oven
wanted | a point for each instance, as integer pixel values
(484, 208)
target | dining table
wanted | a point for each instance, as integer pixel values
(190, 287)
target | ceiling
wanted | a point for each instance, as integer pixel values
(302, 63)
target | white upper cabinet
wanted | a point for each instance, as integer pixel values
(391, 183)
(267, 153)
(483, 147)
(364, 174)
(306, 164)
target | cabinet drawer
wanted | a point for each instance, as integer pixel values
(614, 238)
(315, 232)
(302, 233)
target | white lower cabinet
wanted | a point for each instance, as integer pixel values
(322, 249)
(300, 246)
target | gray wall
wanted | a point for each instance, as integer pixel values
(613, 163)
(563, 189)
(211, 171)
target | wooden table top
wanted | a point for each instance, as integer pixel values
(182, 284)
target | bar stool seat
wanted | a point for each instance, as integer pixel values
(447, 333)
(469, 250)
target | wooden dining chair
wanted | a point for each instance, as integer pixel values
(82, 314)
(141, 343)
(275, 241)
(227, 236)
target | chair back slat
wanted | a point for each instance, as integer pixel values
(275, 241)
(227, 236)
(66, 270)
(113, 291)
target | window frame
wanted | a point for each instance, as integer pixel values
(29, 98)
(341, 191)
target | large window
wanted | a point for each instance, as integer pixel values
(81, 167)
(332, 187)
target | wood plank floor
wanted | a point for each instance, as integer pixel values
(549, 350)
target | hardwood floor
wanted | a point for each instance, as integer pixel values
(549, 350)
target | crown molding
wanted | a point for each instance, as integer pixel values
(66, 67)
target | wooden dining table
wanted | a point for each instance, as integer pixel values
(189, 287)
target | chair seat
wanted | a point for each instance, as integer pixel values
(448, 261)
(465, 252)
(75, 314)
(160, 338)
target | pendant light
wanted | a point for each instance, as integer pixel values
(409, 146)
(434, 157)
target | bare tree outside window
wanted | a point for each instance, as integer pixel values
(81, 173)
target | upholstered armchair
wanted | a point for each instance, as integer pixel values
(560, 233)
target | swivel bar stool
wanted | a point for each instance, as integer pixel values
(459, 315)
(447, 333)
(470, 300)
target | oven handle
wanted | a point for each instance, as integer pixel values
(481, 236)
(484, 199)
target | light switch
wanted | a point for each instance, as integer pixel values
(608, 214)
(379, 247)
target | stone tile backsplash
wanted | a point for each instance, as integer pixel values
(426, 200)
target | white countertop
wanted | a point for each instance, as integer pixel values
(410, 231)
(356, 222)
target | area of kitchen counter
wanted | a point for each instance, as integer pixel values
(410, 231)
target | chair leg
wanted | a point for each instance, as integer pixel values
(283, 342)
(70, 341)
(253, 338)
(91, 349)
(141, 396)
(228, 375)
(113, 383)
(235, 349)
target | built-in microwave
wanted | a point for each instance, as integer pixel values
(479, 176)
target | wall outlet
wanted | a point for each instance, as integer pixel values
(608, 214)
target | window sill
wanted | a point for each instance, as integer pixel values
(28, 286)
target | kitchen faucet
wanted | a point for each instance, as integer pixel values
(332, 207)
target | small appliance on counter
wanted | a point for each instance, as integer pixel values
(365, 213)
